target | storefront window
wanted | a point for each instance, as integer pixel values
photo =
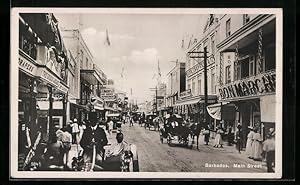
(270, 58)
(228, 33)
(28, 40)
(227, 74)
(246, 18)
(213, 87)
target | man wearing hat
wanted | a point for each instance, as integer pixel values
(93, 135)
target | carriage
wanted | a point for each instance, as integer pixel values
(116, 118)
(151, 121)
(126, 161)
(173, 129)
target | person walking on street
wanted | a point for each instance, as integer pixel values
(269, 151)
(206, 133)
(110, 126)
(130, 121)
(218, 139)
(256, 145)
(249, 143)
(75, 131)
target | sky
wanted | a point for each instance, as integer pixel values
(137, 43)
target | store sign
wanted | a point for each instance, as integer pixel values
(50, 78)
(27, 66)
(47, 76)
(186, 93)
(108, 94)
(62, 88)
(257, 85)
(194, 69)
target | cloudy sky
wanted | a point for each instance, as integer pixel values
(138, 41)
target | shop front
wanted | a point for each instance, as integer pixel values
(254, 100)
(192, 107)
(42, 97)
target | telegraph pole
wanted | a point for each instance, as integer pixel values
(205, 76)
(205, 84)
(155, 89)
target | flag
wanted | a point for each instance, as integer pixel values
(107, 38)
(122, 73)
(158, 69)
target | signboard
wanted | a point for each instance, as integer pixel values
(108, 94)
(254, 86)
(186, 93)
(51, 79)
(194, 69)
(27, 66)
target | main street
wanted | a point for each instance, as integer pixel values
(155, 156)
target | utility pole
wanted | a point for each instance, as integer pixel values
(155, 89)
(205, 76)
(205, 84)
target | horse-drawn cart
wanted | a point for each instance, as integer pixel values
(174, 129)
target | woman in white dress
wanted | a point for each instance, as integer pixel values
(218, 139)
(249, 143)
(257, 145)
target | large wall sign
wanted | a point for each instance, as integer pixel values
(258, 85)
(27, 66)
(108, 94)
(186, 93)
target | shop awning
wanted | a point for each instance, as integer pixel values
(214, 110)
(199, 99)
(188, 102)
(228, 111)
(98, 107)
(90, 75)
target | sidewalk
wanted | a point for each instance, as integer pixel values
(229, 150)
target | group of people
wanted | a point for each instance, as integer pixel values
(257, 149)
(86, 135)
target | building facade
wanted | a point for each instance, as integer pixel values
(43, 76)
(246, 71)
(176, 84)
(88, 78)
(190, 103)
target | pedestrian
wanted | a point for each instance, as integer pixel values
(238, 137)
(75, 131)
(110, 126)
(206, 134)
(256, 145)
(66, 138)
(249, 142)
(269, 151)
(218, 139)
(230, 136)
(82, 127)
(130, 121)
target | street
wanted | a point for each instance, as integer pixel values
(157, 157)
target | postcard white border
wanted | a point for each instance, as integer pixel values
(15, 174)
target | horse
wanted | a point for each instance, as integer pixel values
(195, 130)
